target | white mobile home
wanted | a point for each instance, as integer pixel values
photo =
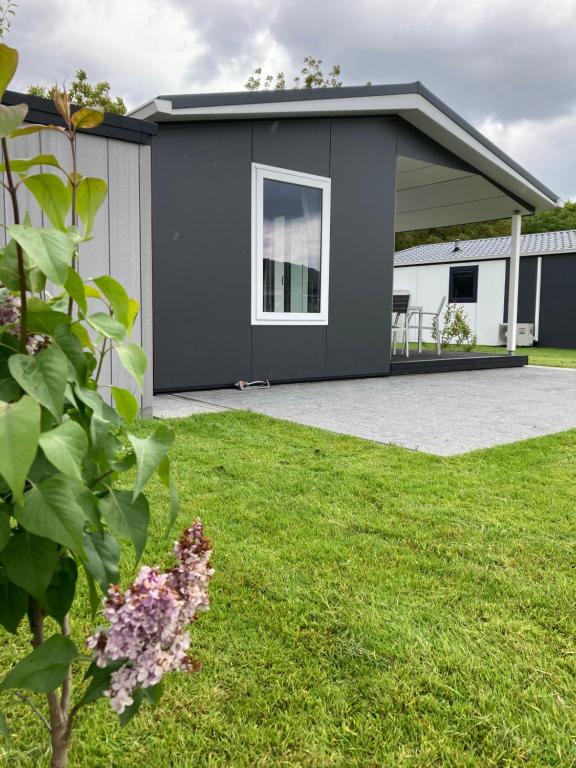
(475, 275)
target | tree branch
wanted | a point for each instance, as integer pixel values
(33, 706)
(19, 253)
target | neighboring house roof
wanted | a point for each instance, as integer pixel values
(411, 101)
(538, 244)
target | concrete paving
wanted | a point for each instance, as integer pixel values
(440, 413)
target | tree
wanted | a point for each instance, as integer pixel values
(83, 94)
(554, 220)
(311, 76)
(6, 11)
(65, 496)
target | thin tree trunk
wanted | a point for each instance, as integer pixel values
(59, 731)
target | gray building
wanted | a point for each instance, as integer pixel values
(274, 216)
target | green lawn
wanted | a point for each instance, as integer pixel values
(372, 606)
(560, 358)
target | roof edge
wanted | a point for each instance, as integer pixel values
(43, 111)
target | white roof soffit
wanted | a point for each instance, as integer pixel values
(414, 107)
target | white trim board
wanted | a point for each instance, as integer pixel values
(415, 108)
(259, 316)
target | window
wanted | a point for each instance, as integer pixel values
(463, 287)
(290, 247)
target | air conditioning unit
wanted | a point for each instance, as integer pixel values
(524, 334)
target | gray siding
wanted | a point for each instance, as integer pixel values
(202, 257)
(201, 246)
(557, 304)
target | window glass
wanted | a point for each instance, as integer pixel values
(463, 284)
(292, 247)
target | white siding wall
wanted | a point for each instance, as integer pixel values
(428, 283)
(121, 244)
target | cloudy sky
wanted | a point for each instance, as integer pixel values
(508, 66)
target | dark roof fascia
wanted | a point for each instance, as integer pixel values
(188, 101)
(184, 101)
(43, 112)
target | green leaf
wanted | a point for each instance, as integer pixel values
(27, 130)
(102, 557)
(29, 562)
(130, 711)
(149, 453)
(43, 377)
(24, 164)
(117, 297)
(8, 66)
(5, 527)
(72, 348)
(46, 321)
(167, 480)
(61, 590)
(45, 668)
(19, 433)
(65, 447)
(126, 517)
(133, 358)
(93, 596)
(11, 118)
(107, 326)
(153, 693)
(89, 198)
(87, 117)
(50, 509)
(97, 405)
(9, 274)
(99, 683)
(126, 404)
(52, 195)
(49, 249)
(13, 604)
(74, 286)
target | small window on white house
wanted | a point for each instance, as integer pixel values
(290, 247)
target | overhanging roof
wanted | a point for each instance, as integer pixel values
(411, 101)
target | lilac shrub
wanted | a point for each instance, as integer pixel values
(147, 631)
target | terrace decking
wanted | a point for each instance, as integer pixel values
(430, 362)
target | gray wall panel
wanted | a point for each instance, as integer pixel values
(202, 261)
(363, 170)
(557, 304)
(413, 143)
(287, 353)
(299, 145)
(201, 254)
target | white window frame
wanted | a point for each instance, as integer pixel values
(259, 316)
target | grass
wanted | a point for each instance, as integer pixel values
(372, 607)
(559, 358)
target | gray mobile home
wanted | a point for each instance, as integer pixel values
(274, 215)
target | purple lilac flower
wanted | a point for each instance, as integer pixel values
(147, 622)
(10, 317)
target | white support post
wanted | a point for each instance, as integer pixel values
(513, 282)
(537, 300)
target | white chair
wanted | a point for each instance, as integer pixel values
(435, 323)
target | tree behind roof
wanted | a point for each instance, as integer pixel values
(84, 94)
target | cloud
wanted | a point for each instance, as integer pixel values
(506, 66)
(547, 147)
